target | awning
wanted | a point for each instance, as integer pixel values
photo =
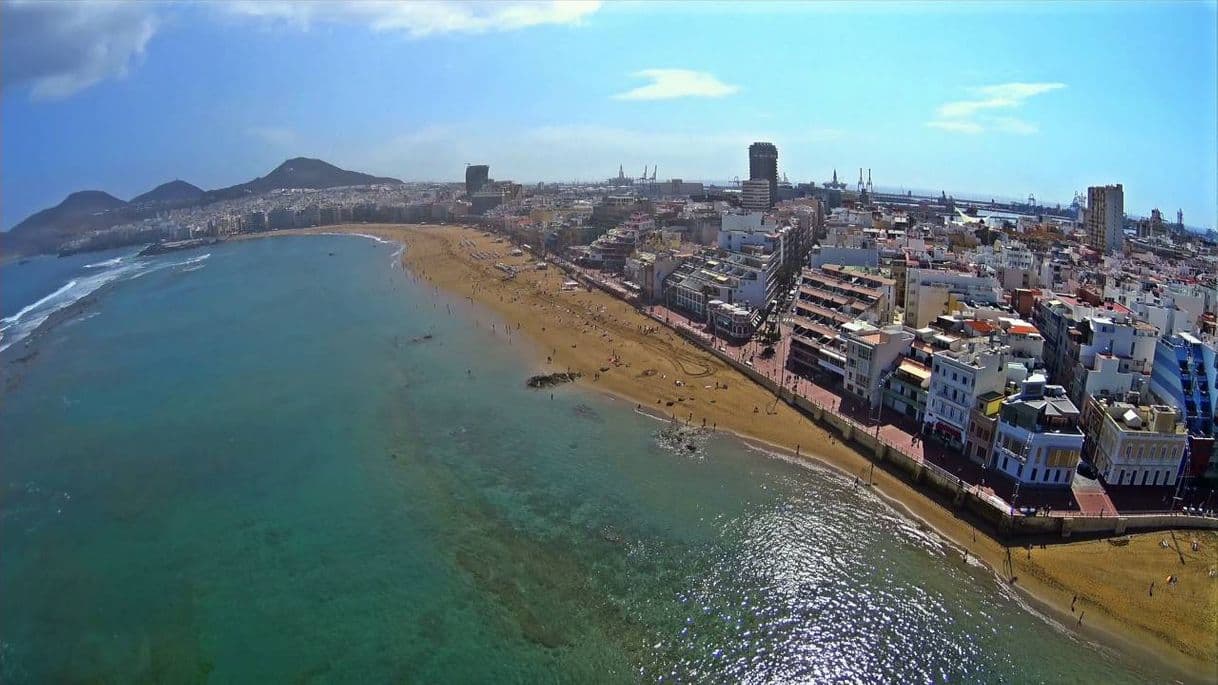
(947, 429)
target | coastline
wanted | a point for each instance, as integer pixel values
(600, 329)
(1046, 577)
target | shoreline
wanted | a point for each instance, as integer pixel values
(431, 253)
(1041, 592)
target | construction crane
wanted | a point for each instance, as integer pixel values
(653, 172)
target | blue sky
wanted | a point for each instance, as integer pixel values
(1005, 99)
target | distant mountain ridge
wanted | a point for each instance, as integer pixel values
(172, 192)
(91, 210)
(298, 172)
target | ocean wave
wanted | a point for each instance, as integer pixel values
(108, 263)
(16, 327)
(377, 238)
(192, 260)
(20, 325)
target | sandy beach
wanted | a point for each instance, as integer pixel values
(1099, 589)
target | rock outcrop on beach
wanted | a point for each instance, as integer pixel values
(551, 379)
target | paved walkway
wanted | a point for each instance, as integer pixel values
(904, 433)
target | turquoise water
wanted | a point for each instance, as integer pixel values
(252, 467)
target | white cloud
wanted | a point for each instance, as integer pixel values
(279, 136)
(677, 83)
(61, 48)
(973, 116)
(957, 126)
(421, 18)
(1016, 126)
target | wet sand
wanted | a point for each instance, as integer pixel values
(625, 354)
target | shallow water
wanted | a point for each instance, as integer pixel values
(259, 470)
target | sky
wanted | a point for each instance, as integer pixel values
(1007, 100)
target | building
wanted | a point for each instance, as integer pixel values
(1185, 377)
(1038, 441)
(959, 375)
(483, 201)
(646, 271)
(476, 176)
(908, 387)
(983, 427)
(826, 299)
(931, 292)
(871, 355)
(763, 165)
(1134, 445)
(755, 195)
(1105, 218)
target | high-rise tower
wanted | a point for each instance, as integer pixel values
(763, 165)
(1105, 218)
(475, 177)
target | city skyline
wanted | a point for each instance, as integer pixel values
(921, 105)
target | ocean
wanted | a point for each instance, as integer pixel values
(285, 460)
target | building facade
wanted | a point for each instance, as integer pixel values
(1134, 445)
(1038, 441)
(763, 165)
(958, 377)
(1105, 218)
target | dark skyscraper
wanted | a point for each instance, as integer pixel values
(475, 177)
(763, 164)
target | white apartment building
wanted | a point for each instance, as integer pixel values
(931, 292)
(1038, 441)
(1134, 445)
(871, 353)
(958, 376)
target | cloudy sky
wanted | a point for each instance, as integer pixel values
(1004, 99)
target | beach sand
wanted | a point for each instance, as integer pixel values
(618, 353)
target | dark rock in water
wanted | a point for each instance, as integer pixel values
(422, 338)
(689, 440)
(583, 411)
(611, 534)
(552, 379)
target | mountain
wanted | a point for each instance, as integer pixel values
(299, 172)
(173, 193)
(83, 211)
(90, 210)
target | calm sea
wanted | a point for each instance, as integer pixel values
(247, 463)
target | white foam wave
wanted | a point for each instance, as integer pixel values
(9, 320)
(196, 267)
(109, 262)
(192, 260)
(26, 321)
(377, 238)
(18, 326)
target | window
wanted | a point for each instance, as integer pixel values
(1033, 478)
(1144, 475)
(1057, 475)
(1004, 463)
(1121, 477)
(1156, 482)
(1046, 478)
(1019, 471)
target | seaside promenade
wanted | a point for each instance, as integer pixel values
(1085, 499)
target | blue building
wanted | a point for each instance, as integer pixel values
(1185, 376)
